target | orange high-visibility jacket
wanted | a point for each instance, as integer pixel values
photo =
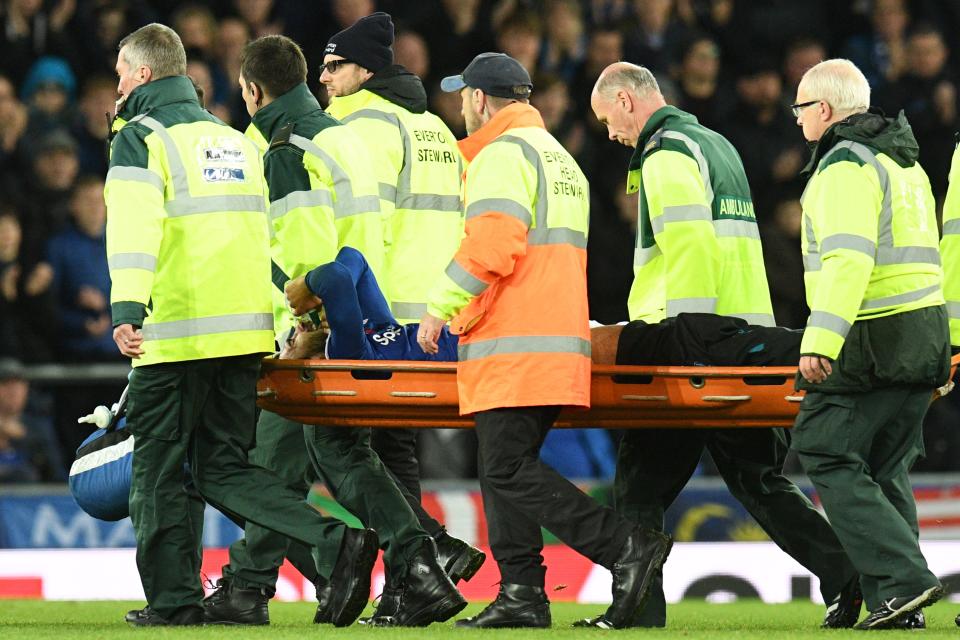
(516, 290)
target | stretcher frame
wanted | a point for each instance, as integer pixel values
(395, 394)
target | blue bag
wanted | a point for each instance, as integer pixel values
(100, 475)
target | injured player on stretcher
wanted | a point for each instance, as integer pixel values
(359, 326)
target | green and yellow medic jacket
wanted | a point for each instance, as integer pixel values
(950, 249)
(187, 231)
(698, 246)
(322, 190)
(418, 167)
(869, 230)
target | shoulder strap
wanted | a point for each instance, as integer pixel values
(282, 136)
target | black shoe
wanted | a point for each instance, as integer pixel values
(893, 609)
(844, 611)
(427, 594)
(230, 605)
(387, 608)
(458, 559)
(641, 558)
(147, 617)
(517, 605)
(913, 621)
(348, 589)
(957, 620)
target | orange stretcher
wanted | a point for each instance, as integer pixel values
(383, 393)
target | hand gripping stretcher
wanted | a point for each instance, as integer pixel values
(383, 393)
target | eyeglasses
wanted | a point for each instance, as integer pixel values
(334, 65)
(800, 106)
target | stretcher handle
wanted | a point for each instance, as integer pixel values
(403, 366)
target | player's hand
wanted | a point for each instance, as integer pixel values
(815, 369)
(299, 296)
(129, 340)
(428, 335)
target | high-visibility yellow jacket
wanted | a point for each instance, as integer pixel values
(516, 290)
(418, 166)
(187, 233)
(950, 249)
(869, 230)
(698, 246)
(323, 194)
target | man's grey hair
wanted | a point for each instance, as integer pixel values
(156, 46)
(635, 79)
(840, 83)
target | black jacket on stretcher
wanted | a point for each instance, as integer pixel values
(705, 339)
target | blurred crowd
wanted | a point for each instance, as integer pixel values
(735, 64)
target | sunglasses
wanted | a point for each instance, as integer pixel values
(800, 106)
(334, 65)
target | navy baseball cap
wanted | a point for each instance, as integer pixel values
(496, 74)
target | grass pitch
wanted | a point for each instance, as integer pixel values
(28, 619)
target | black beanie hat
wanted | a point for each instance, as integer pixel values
(367, 42)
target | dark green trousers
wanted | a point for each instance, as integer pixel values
(857, 450)
(256, 557)
(653, 466)
(202, 412)
(356, 478)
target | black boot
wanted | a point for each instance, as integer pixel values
(387, 608)
(641, 557)
(517, 605)
(458, 559)
(147, 617)
(915, 621)
(844, 611)
(427, 594)
(345, 595)
(230, 605)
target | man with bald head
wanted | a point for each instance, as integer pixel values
(877, 341)
(698, 251)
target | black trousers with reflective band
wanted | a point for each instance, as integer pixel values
(202, 411)
(522, 494)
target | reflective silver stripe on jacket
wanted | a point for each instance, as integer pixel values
(681, 213)
(902, 298)
(728, 228)
(297, 199)
(830, 322)
(951, 227)
(132, 260)
(691, 305)
(464, 279)
(644, 256)
(953, 309)
(136, 174)
(523, 344)
(347, 204)
(701, 160)
(208, 326)
(510, 207)
(403, 195)
(408, 309)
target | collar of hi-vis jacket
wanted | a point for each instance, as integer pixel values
(287, 108)
(512, 116)
(658, 119)
(156, 94)
(342, 106)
